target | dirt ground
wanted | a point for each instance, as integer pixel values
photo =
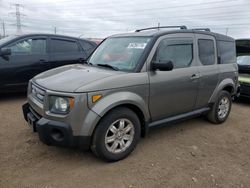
(194, 153)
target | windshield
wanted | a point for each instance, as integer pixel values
(121, 53)
(243, 60)
(6, 39)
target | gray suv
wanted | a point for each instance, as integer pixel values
(131, 83)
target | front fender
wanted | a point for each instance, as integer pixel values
(111, 100)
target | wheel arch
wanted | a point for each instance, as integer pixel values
(139, 113)
(129, 100)
(229, 88)
(137, 110)
(226, 85)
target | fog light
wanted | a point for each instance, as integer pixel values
(57, 135)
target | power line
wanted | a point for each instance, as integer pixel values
(190, 6)
(206, 16)
(218, 26)
(214, 26)
(128, 4)
(218, 16)
(126, 17)
(187, 17)
(169, 9)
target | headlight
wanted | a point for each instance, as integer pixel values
(60, 105)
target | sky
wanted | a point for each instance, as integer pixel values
(102, 18)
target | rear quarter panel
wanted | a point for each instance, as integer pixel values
(228, 77)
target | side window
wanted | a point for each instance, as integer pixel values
(227, 52)
(28, 46)
(206, 51)
(62, 46)
(88, 48)
(180, 52)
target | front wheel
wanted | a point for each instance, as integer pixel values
(221, 108)
(116, 135)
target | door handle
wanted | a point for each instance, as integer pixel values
(195, 76)
(80, 60)
(42, 61)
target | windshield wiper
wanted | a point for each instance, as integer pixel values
(87, 62)
(108, 66)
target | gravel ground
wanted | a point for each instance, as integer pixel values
(194, 153)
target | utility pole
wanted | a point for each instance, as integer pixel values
(18, 15)
(227, 30)
(55, 30)
(18, 20)
(3, 29)
(159, 25)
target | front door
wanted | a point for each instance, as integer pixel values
(28, 58)
(174, 92)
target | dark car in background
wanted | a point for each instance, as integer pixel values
(243, 60)
(23, 57)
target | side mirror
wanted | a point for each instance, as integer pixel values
(5, 52)
(163, 66)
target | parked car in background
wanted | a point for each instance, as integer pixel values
(96, 40)
(243, 60)
(133, 82)
(23, 57)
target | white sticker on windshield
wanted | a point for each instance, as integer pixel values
(137, 45)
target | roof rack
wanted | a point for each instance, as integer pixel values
(149, 28)
(202, 29)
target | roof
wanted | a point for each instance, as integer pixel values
(158, 33)
(243, 39)
(47, 34)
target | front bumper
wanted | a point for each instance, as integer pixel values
(54, 132)
(244, 90)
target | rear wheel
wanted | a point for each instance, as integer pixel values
(116, 135)
(221, 108)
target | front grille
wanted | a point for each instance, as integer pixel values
(37, 93)
(35, 113)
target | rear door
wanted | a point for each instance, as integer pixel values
(88, 47)
(208, 68)
(64, 51)
(28, 58)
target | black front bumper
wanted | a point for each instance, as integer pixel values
(244, 90)
(54, 132)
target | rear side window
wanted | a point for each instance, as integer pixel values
(180, 52)
(227, 52)
(87, 47)
(206, 51)
(62, 46)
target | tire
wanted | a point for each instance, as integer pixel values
(124, 137)
(217, 115)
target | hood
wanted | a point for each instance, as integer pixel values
(71, 77)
